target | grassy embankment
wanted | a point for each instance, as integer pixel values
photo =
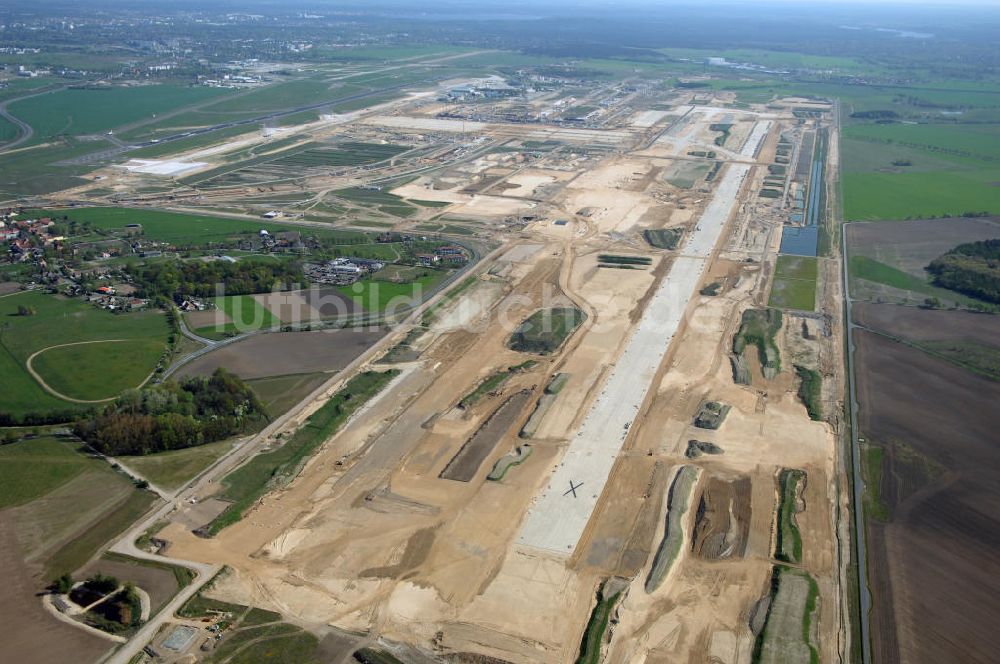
(546, 330)
(664, 238)
(758, 328)
(597, 626)
(788, 539)
(678, 497)
(493, 382)
(788, 631)
(811, 391)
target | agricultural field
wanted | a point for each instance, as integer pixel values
(887, 261)
(280, 393)
(935, 538)
(32, 634)
(65, 504)
(794, 283)
(912, 171)
(245, 314)
(285, 353)
(94, 353)
(969, 340)
(925, 376)
(171, 470)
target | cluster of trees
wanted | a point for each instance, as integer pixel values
(972, 269)
(180, 279)
(172, 416)
(875, 115)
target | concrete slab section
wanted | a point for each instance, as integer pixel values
(560, 514)
(755, 139)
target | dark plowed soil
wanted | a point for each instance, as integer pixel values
(722, 521)
(464, 465)
(911, 245)
(329, 302)
(928, 325)
(161, 584)
(935, 567)
(30, 634)
(284, 353)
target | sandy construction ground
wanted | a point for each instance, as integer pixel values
(392, 529)
(646, 119)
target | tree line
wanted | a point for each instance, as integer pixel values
(972, 269)
(180, 279)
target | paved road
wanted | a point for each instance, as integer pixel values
(865, 599)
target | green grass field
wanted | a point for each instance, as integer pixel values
(183, 228)
(920, 195)
(33, 468)
(246, 313)
(794, 283)
(66, 505)
(8, 130)
(34, 171)
(875, 507)
(58, 320)
(903, 171)
(91, 111)
(81, 372)
(375, 295)
(277, 97)
(173, 469)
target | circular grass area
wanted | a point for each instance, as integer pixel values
(100, 370)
